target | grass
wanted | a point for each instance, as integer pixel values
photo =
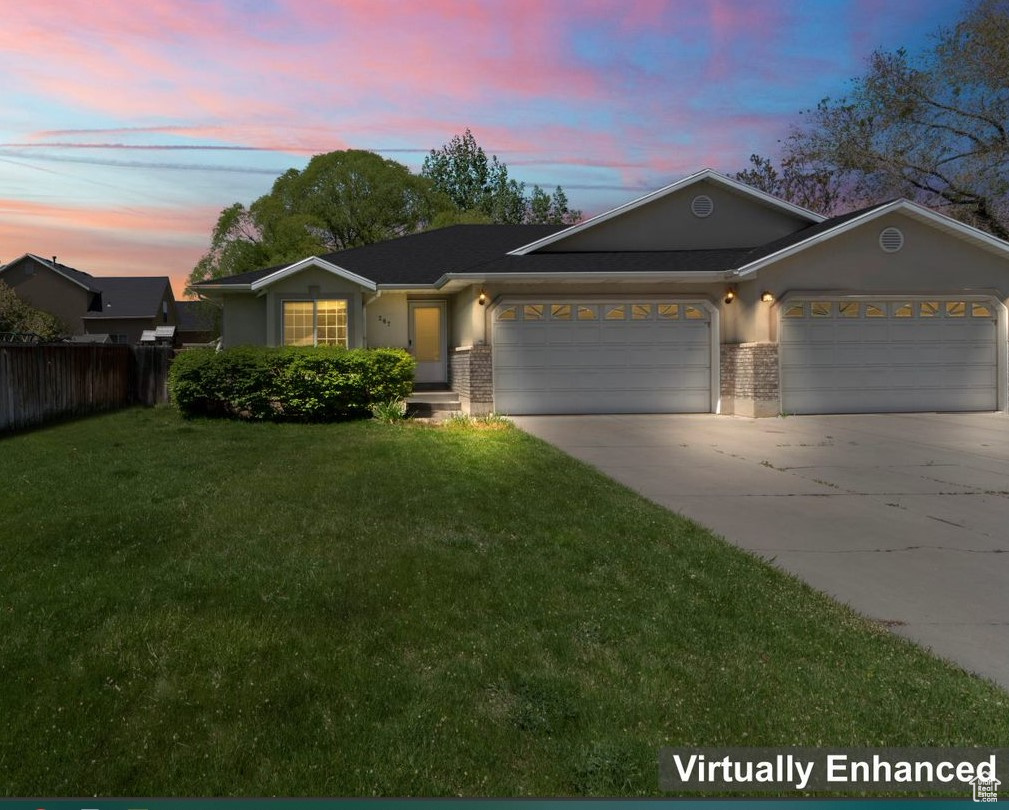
(213, 608)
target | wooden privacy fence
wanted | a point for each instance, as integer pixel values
(39, 383)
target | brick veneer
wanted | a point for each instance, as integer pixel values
(471, 377)
(749, 379)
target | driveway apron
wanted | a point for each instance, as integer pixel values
(904, 517)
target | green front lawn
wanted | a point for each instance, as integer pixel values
(203, 608)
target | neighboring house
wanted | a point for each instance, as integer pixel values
(197, 322)
(121, 307)
(704, 296)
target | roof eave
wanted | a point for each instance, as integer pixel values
(603, 275)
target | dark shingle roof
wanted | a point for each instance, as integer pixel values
(130, 296)
(423, 258)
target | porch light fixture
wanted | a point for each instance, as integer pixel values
(482, 298)
(767, 296)
(730, 295)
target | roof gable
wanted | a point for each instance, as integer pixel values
(76, 277)
(304, 264)
(656, 213)
(829, 229)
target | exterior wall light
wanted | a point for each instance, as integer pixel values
(482, 298)
(767, 296)
(730, 295)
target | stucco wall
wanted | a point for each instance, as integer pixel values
(48, 291)
(669, 224)
(386, 321)
(244, 320)
(931, 262)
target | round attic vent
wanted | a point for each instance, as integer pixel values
(702, 206)
(891, 239)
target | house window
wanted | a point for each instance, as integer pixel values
(315, 323)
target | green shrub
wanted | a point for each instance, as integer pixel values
(299, 384)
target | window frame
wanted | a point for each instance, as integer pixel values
(315, 320)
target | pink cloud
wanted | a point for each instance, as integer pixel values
(106, 241)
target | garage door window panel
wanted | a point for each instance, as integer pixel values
(641, 312)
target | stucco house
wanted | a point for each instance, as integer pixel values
(113, 308)
(704, 296)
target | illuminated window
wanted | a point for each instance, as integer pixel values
(928, 309)
(532, 312)
(586, 313)
(693, 313)
(669, 311)
(794, 311)
(560, 312)
(980, 310)
(875, 311)
(641, 312)
(848, 309)
(820, 309)
(506, 314)
(315, 323)
(956, 309)
(616, 312)
(903, 310)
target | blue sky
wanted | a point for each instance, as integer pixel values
(129, 126)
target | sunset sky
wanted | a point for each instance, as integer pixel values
(127, 126)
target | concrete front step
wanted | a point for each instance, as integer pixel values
(433, 404)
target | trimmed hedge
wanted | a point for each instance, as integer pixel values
(288, 384)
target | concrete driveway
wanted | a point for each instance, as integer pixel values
(905, 517)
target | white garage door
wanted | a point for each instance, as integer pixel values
(565, 356)
(863, 356)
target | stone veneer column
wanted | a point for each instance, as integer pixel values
(471, 377)
(749, 379)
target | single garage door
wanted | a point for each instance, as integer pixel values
(568, 356)
(862, 356)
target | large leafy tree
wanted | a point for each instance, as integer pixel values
(17, 315)
(339, 200)
(933, 127)
(482, 191)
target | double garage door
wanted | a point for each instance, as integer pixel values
(847, 355)
(571, 356)
(837, 355)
